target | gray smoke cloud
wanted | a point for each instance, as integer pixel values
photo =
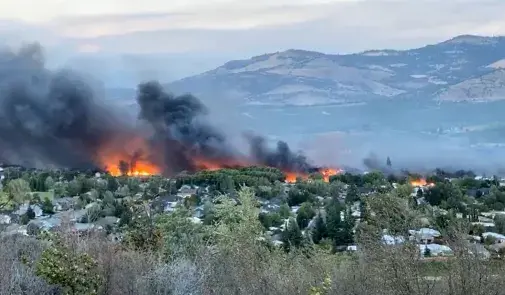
(54, 119)
(47, 118)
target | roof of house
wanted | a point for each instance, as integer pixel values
(494, 235)
(435, 249)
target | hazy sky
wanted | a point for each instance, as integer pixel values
(195, 35)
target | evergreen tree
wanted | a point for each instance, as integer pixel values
(388, 162)
(427, 251)
(320, 230)
(305, 214)
(292, 236)
(352, 194)
(47, 206)
(333, 219)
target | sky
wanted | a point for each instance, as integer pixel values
(172, 39)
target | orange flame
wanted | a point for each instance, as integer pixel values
(112, 153)
(325, 172)
(328, 172)
(292, 176)
(421, 182)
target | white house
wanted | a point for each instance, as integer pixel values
(435, 250)
(186, 191)
(498, 237)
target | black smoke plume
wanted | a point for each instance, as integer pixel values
(282, 157)
(53, 119)
(47, 118)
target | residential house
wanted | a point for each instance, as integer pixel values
(435, 250)
(392, 240)
(187, 191)
(24, 208)
(499, 239)
(5, 219)
(425, 235)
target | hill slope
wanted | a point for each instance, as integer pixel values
(463, 68)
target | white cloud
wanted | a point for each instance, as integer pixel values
(41, 11)
(233, 29)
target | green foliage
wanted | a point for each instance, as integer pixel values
(298, 195)
(75, 273)
(292, 236)
(404, 191)
(47, 206)
(29, 215)
(93, 213)
(352, 194)
(391, 213)
(305, 214)
(320, 230)
(49, 183)
(499, 221)
(284, 211)
(18, 191)
(178, 233)
(324, 287)
(446, 195)
(270, 219)
(142, 233)
(227, 180)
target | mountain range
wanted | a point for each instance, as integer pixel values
(464, 68)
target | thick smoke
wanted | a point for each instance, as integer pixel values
(178, 131)
(282, 157)
(47, 119)
(53, 119)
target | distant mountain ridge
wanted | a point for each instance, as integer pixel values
(464, 68)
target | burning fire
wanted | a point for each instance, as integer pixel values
(139, 163)
(328, 172)
(325, 172)
(292, 176)
(112, 154)
(421, 182)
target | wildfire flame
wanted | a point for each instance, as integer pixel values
(421, 182)
(139, 163)
(325, 172)
(112, 153)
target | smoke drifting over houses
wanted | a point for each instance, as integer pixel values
(54, 119)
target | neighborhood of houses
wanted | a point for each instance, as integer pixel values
(430, 241)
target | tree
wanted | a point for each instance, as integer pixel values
(208, 213)
(18, 191)
(403, 191)
(284, 211)
(49, 183)
(47, 206)
(75, 273)
(344, 235)
(352, 194)
(339, 229)
(29, 215)
(270, 219)
(320, 230)
(297, 196)
(226, 184)
(427, 251)
(292, 236)
(305, 214)
(499, 222)
(388, 162)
